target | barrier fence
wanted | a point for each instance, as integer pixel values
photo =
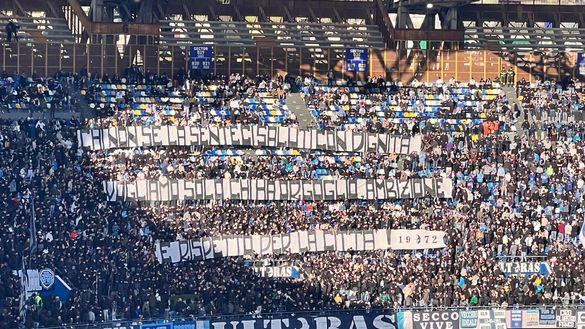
(426, 65)
(445, 318)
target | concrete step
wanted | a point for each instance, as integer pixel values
(296, 105)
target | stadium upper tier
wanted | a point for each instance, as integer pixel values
(301, 34)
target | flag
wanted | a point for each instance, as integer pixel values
(582, 234)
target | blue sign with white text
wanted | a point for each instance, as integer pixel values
(356, 59)
(200, 57)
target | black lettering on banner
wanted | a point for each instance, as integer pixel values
(329, 240)
(261, 136)
(352, 189)
(260, 185)
(295, 190)
(141, 190)
(380, 189)
(146, 136)
(440, 188)
(307, 139)
(294, 243)
(357, 141)
(341, 140)
(163, 190)
(328, 190)
(123, 137)
(318, 190)
(417, 188)
(247, 136)
(282, 136)
(223, 137)
(172, 135)
(312, 241)
(283, 190)
(209, 189)
(303, 241)
(110, 190)
(197, 252)
(404, 145)
(382, 146)
(130, 194)
(156, 136)
(388, 238)
(369, 240)
(133, 135)
(248, 247)
(186, 190)
(341, 189)
(301, 136)
(220, 246)
(339, 241)
(213, 136)
(245, 189)
(184, 250)
(313, 133)
(404, 189)
(239, 240)
(391, 189)
(194, 138)
(236, 135)
(271, 187)
(331, 141)
(153, 191)
(265, 245)
(179, 138)
(276, 244)
(371, 144)
(207, 248)
(199, 186)
(428, 187)
(285, 242)
(112, 135)
(319, 240)
(359, 240)
(350, 240)
(218, 189)
(272, 136)
(371, 189)
(164, 250)
(97, 139)
(321, 140)
(293, 138)
(307, 190)
(394, 142)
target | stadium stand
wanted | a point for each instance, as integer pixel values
(421, 198)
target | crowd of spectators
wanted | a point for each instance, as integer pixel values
(19, 92)
(516, 196)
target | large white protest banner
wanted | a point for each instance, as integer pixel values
(251, 136)
(292, 243)
(262, 189)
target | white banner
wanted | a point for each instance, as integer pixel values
(414, 239)
(581, 319)
(291, 243)
(262, 189)
(252, 136)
